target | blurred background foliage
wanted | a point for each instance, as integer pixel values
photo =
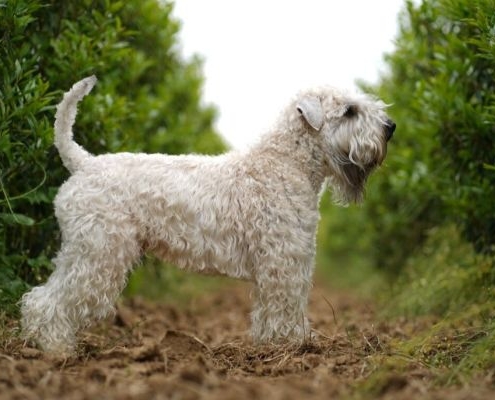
(440, 167)
(148, 98)
(426, 232)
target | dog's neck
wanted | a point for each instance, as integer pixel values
(295, 151)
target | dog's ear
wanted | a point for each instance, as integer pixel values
(312, 111)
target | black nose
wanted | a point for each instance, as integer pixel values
(389, 129)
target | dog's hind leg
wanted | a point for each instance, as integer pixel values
(91, 271)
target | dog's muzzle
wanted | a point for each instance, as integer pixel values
(389, 129)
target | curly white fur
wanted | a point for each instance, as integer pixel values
(251, 215)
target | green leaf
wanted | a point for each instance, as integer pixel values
(16, 219)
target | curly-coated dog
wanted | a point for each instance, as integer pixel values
(249, 214)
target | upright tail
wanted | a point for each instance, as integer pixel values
(73, 156)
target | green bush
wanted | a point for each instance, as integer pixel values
(147, 99)
(441, 84)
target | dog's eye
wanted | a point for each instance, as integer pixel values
(350, 111)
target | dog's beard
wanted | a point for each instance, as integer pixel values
(348, 180)
(351, 160)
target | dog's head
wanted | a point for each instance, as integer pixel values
(353, 132)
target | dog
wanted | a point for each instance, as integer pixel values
(250, 214)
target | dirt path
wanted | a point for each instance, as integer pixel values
(201, 351)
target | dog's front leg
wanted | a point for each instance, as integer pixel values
(280, 301)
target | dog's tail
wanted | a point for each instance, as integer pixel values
(73, 156)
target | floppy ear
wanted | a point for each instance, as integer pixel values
(312, 111)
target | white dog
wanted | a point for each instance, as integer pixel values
(251, 215)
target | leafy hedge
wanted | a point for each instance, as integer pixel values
(147, 99)
(441, 83)
(440, 166)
